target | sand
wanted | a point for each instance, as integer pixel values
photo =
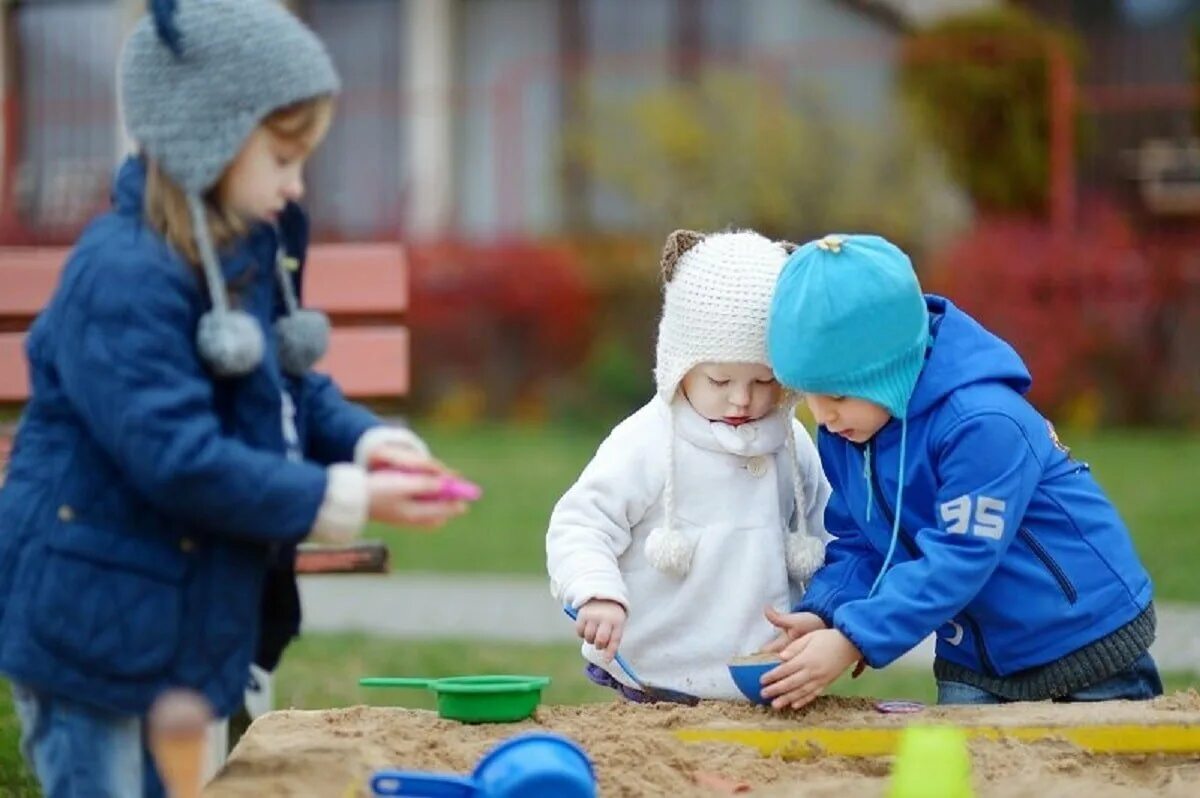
(333, 752)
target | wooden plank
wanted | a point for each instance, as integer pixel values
(360, 557)
(344, 279)
(362, 279)
(369, 361)
(28, 276)
(14, 371)
(366, 362)
(1120, 739)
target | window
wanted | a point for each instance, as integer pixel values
(356, 181)
(58, 168)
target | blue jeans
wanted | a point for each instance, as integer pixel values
(77, 751)
(1139, 682)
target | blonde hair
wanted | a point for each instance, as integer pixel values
(166, 208)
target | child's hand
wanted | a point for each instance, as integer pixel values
(792, 625)
(394, 497)
(393, 456)
(601, 623)
(810, 665)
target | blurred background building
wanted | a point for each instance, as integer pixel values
(1038, 158)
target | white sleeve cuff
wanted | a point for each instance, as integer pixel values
(599, 586)
(343, 513)
(376, 437)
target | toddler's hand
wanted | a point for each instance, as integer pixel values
(601, 623)
(394, 497)
(792, 626)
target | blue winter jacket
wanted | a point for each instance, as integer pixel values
(149, 517)
(1007, 547)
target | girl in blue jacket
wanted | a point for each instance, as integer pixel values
(955, 508)
(177, 446)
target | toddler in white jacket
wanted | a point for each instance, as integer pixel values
(704, 507)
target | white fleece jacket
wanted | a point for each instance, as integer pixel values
(732, 493)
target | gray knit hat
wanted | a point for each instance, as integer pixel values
(196, 78)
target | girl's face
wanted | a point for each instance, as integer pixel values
(731, 392)
(267, 173)
(856, 420)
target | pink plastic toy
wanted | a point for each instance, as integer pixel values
(452, 489)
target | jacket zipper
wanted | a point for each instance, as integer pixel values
(976, 632)
(980, 646)
(1053, 567)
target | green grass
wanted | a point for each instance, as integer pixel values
(524, 470)
(1150, 477)
(15, 781)
(323, 670)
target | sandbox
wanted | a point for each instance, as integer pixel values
(638, 750)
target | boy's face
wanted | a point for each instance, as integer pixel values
(731, 392)
(856, 420)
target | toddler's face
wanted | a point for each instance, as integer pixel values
(731, 392)
(855, 420)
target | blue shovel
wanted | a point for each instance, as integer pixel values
(656, 693)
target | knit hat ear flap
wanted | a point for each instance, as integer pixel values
(678, 243)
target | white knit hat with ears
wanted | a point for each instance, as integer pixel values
(716, 298)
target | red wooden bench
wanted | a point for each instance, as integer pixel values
(363, 288)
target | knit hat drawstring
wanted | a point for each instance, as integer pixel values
(899, 507)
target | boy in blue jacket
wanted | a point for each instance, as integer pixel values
(955, 508)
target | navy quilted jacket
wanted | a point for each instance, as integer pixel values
(150, 514)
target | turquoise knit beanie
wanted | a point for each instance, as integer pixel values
(848, 319)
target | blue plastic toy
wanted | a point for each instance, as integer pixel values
(747, 675)
(657, 693)
(534, 765)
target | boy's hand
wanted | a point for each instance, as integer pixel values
(792, 625)
(601, 623)
(810, 665)
(394, 497)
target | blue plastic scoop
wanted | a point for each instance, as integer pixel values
(531, 765)
(657, 693)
